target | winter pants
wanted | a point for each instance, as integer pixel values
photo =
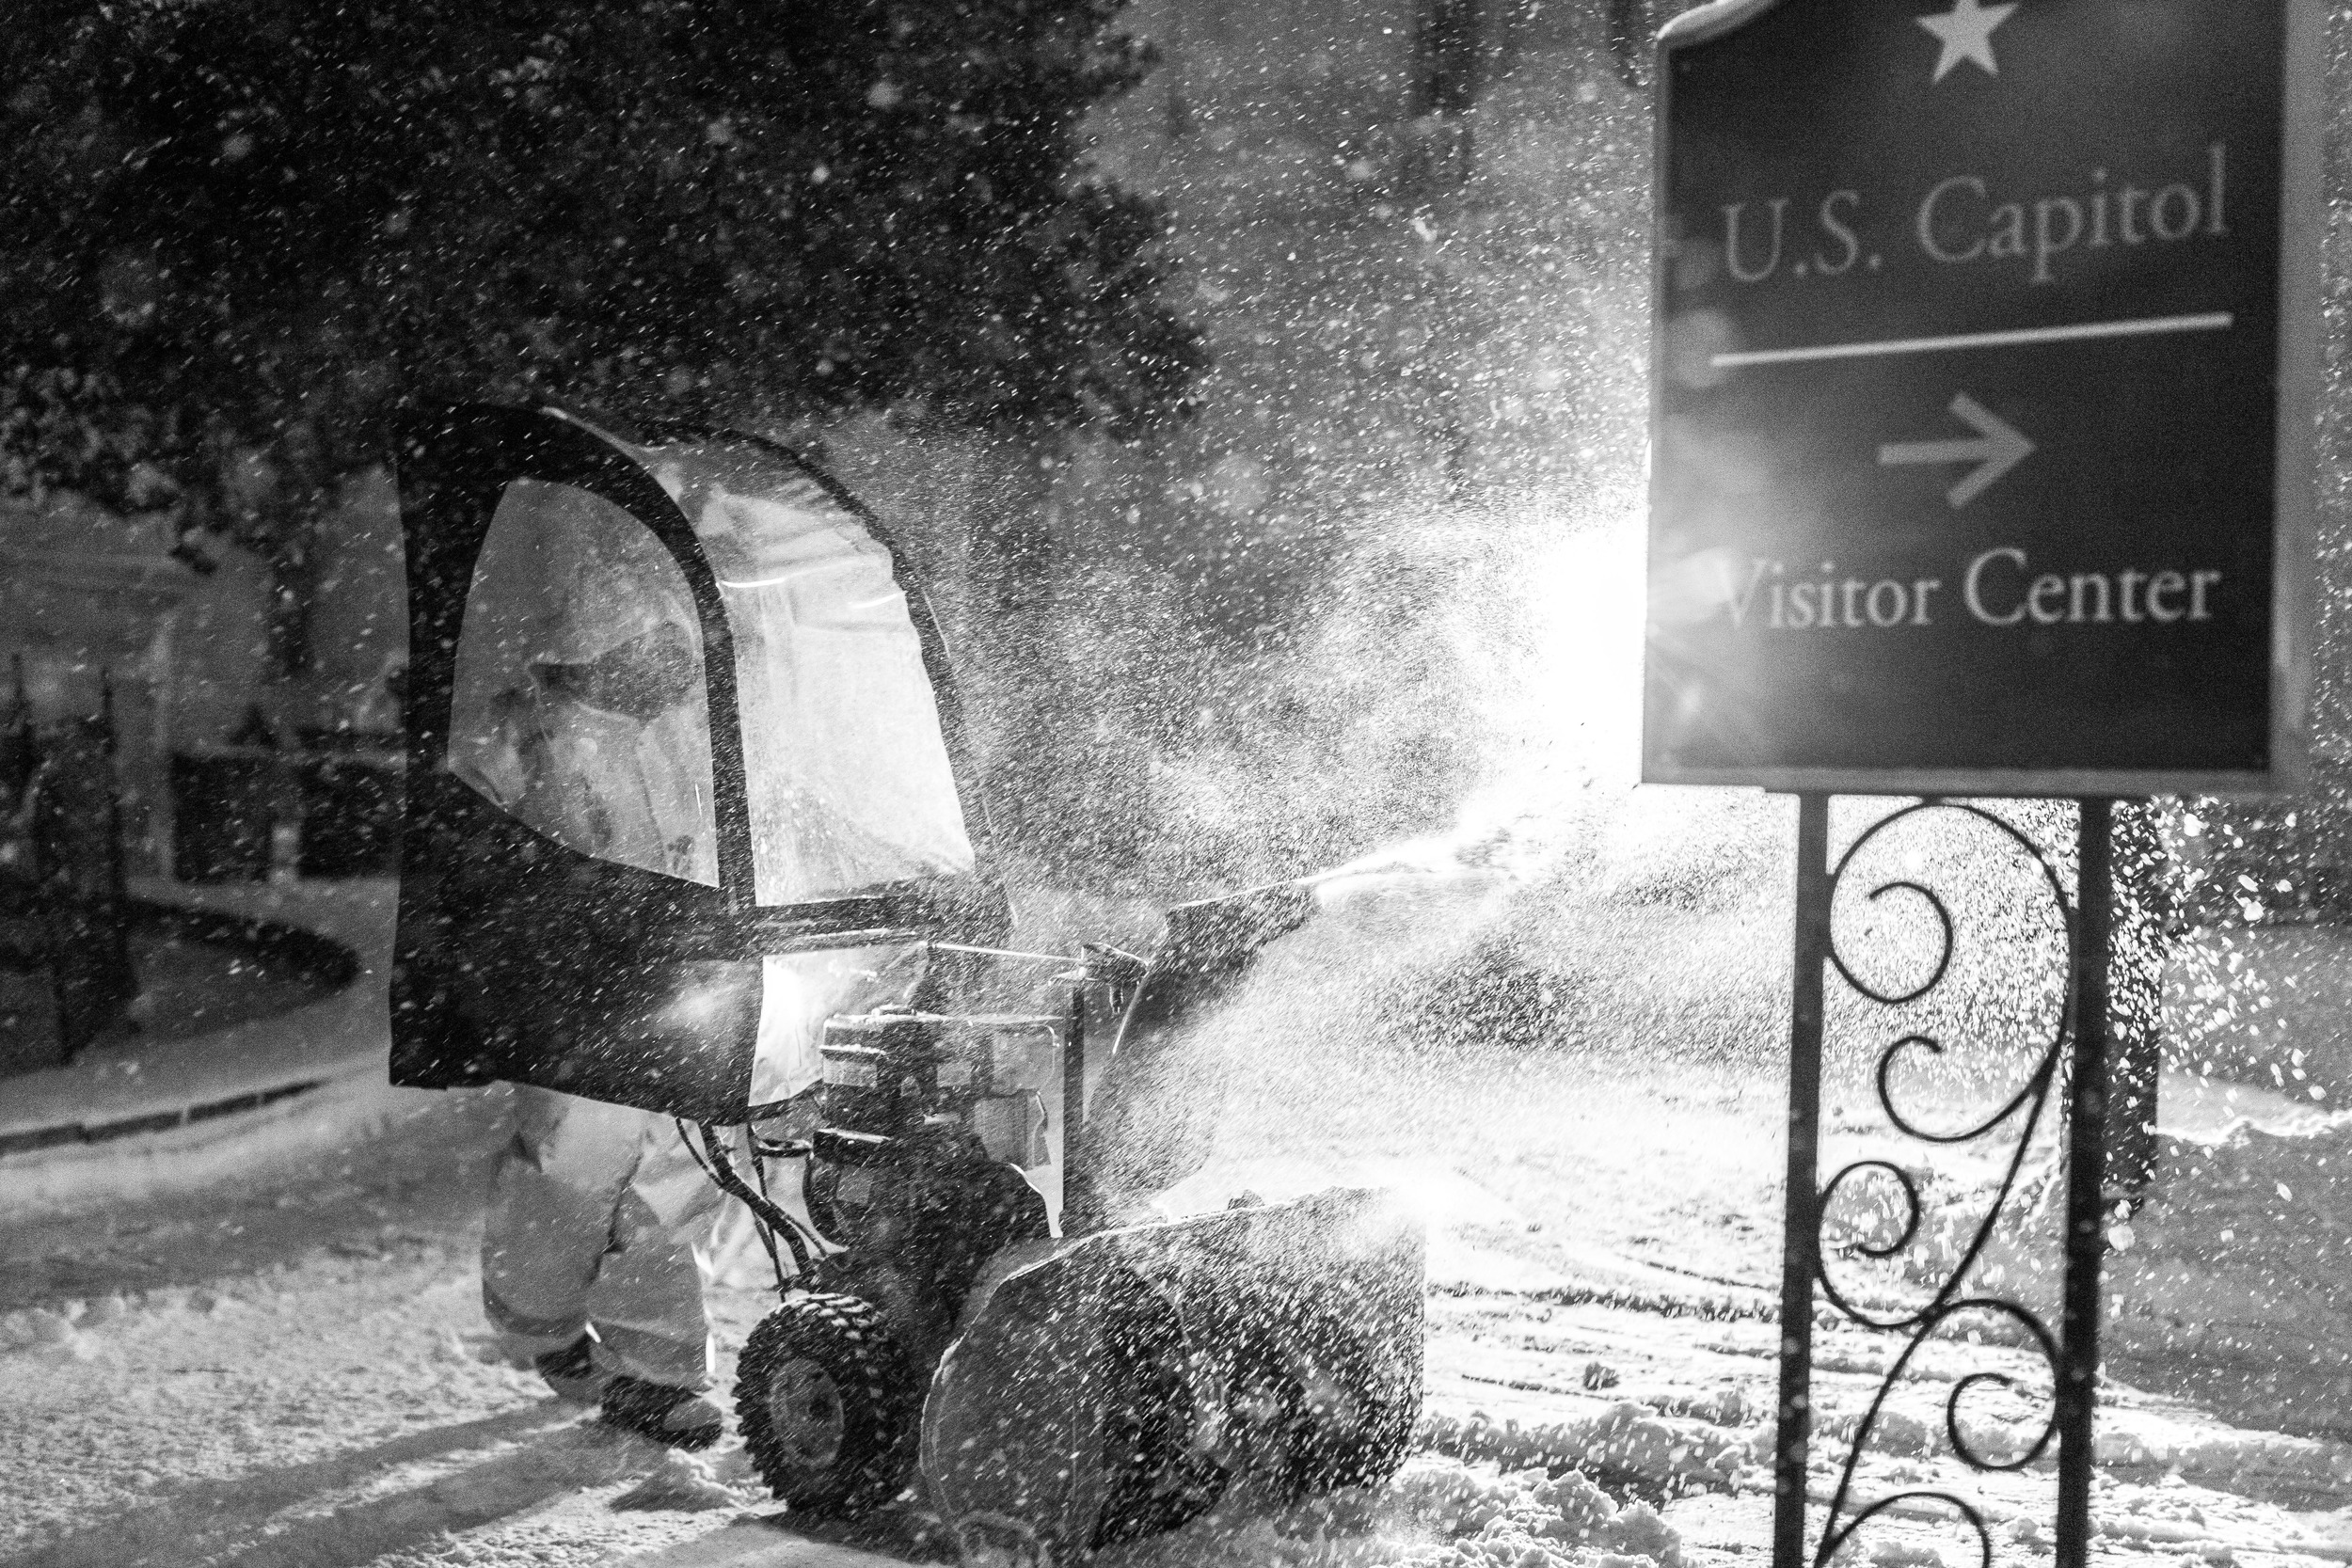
(599, 1219)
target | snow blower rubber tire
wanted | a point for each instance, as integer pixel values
(826, 1406)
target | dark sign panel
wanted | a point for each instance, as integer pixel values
(1987, 342)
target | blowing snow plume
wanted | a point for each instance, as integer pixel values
(1508, 934)
(1465, 701)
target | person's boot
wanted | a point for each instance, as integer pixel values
(572, 1372)
(678, 1417)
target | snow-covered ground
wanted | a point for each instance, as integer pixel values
(289, 1366)
(291, 1371)
(1572, 1062)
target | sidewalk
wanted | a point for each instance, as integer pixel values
(84, 1130)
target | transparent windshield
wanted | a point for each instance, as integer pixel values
(579, 704)
(849, 775)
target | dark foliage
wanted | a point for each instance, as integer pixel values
(233, 233)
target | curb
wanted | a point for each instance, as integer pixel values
(123, 1124)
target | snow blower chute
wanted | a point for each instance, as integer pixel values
(690, 827)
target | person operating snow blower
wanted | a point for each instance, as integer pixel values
(579, 713)
(597, 1239)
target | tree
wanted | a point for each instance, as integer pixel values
(233, 233)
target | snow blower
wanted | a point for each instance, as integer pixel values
(690, 827)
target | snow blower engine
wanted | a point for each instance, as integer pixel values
(914, 1182)
(1055, 1393)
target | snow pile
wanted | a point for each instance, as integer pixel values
(1436, 1513)
(2228, 1281)
(1626, 1439)
(1527, 1519)
(695, 1482)
(2231, 1282)
(1899, 1552)
(77, 1329)
(40, 1328)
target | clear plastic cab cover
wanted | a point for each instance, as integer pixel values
(580, 707)
(849, 774)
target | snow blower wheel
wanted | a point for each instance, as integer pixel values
(826, 1406)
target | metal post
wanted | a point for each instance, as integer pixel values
(1800, 1244)
(1074, 1083)
(2086, 1170)
(2137, 943)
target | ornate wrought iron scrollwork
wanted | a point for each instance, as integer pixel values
(2021, 1115)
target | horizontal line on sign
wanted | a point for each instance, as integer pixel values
(2217, 321)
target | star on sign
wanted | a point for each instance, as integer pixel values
(1966, 33)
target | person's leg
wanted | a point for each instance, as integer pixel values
(549, 1225)
(647, 1302)
(646, 1299)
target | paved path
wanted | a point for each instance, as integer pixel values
(141, 1112)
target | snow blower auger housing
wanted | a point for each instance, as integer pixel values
(690, 826)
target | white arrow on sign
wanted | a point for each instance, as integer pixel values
(1998, 448)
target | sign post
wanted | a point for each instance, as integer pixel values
(1987, 344)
